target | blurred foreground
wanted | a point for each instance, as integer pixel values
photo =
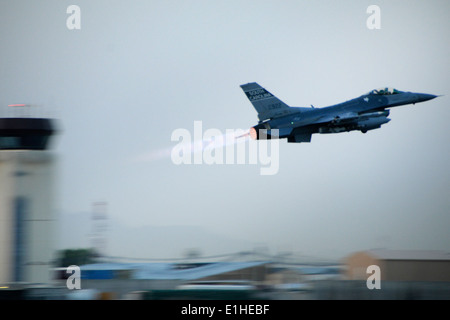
(405, 275)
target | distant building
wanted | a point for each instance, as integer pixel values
(120, 279)
(280, 277)
(400, 265)
(251, 271)
(205, 280)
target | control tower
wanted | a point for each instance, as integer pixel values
(27, 213)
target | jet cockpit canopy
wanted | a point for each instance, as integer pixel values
(385, 91)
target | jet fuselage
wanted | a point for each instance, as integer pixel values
(367, 112)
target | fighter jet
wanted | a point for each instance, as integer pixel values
(297, 124)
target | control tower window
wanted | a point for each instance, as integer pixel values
(31, 142)
(9, 143)
(25, 133)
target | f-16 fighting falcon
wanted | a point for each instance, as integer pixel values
(297, 124)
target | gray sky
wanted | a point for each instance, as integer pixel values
(138, 70)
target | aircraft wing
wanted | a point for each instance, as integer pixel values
(341, 118)
(348, 117)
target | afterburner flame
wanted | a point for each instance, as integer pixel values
(253, 134)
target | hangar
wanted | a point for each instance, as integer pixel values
(400, 265)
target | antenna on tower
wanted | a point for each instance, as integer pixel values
(99, 228)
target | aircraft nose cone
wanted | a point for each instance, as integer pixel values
(425, 97)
